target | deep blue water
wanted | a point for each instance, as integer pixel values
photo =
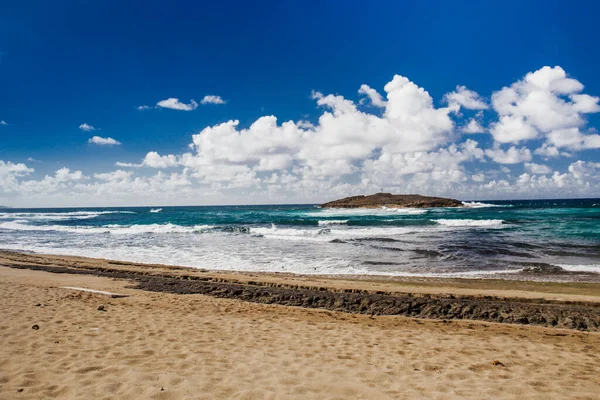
(560, 238)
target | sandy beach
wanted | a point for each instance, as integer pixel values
(174, 346)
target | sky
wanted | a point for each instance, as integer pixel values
(123, 103)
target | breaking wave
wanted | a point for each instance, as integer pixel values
(594, 268)
(59, 216)
(477, 204)
(333, 222)
(21, 225)
(469, 222)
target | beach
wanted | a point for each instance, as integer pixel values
(164, 345)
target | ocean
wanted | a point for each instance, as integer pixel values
(525, 239)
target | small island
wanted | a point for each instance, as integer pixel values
(393, 201)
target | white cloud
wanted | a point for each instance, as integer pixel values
(31, 159)
(9, 168)
(580, 178)
(115, 176)
(305, 124)
(374, 96)
(86, 128)
(144, 107)
(212, 99)
(341, 141)
(512, 129)
(466, 98)
(65, 175)
(473, 126)
(511, 156)
(406, 144)
(572, 138)
(534, 168)
(103, 141)
(3, 122)
(479, 177)
(175, 104)
(127, 165)
(548, 151)
(154, 160)
(544, 102)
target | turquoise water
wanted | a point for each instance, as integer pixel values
(559, 239)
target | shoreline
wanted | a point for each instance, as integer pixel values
(529, 271)
(572, 305)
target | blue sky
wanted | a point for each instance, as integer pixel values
(63, 64)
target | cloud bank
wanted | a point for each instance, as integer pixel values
(467, 146)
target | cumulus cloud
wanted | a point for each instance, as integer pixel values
(513, 155)
(547, 104)
(212, 99)
(65, 175)
(548, 151)
(338, 145)
(86, 128)
(103, 141)
(175, 104)
(153, 160)
(373, 95)
(115, 176)
(144, 107)
(534, 168)
(406, 142)
(3, 122)
(466, 98)
(9, 168)
(574, 139)
(473, 126)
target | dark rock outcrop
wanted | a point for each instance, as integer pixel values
(550, 313)
(393, 201)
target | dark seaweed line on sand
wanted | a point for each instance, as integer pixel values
(581, 316)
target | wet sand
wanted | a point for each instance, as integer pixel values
(157, 344)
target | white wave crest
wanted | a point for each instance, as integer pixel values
(470, 222)
(59, 216)
(580, 268)
(291, 233)
(328, 234)
(155, 210)
(477, 204)
(333, 222)
(22, 225)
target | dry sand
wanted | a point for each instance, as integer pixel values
(167, 346)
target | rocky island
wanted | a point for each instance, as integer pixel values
(393, 201)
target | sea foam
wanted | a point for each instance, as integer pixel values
(22, 225)
(333, 222)
(594, 268)
(470, 222)
(477, 204)
(59, 216)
